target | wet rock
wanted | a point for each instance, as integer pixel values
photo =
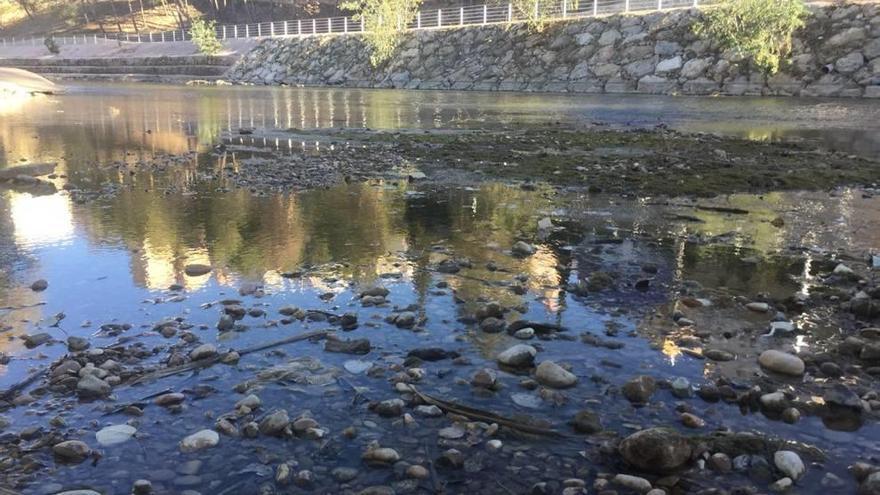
(552, 375)
(485, 378)
(781, 485)
(283, 474)
(656, 449)
(170, 399)
(781, 362)
(524, 333)
(840, 396)
(681, 388)
(789, 463)
(417, 472)
(448, 266)
(225, 323)
(275, 423)
(71, 451)
(451, 458)
(377, 490)
(39, 285)
(518, 356)
(791, 415)
(634, 483)
(758, 307)
(692, 420)
(639, 389)
(380, 455)
(390, 408)
(251, 402)
(203, 351)
(586, 421)
(429, 411)
(115, 434)
(406, 319)
(432, 354)
(36, 340)
(142, 487)
(453, 432)
(774, 402)
(720, 462)
(348, 321)
(353, 346)
(344, 474)
(492, 325)
(718, 355)
(199, 440)
(76, 344)
(304, 479)
(197, 270)
(522, 249)
(92, 387)
(870, 485)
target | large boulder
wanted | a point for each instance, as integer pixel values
(656, 450)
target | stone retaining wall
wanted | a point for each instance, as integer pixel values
(836, 54)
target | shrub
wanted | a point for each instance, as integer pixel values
(51, 45)
(759, 29)
(204, 35)
(385, 22)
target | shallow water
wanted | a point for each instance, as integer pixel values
(112, 261)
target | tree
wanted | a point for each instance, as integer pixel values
(384, 21)
(204, 35)
(760, 29)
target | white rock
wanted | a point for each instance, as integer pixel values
(356, 366)
(781, 362)
(518, 356)
(789, 463)
(115, 434)
(634, 483)
(758, 307)
(552, 375)
(199, 440)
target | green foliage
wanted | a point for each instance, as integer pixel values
(49, 41)
(385, 22)
(204, 35)
(760, 29)
(537, 13)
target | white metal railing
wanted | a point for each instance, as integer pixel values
(426, 19)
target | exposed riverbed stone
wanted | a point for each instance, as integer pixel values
(656, 449)
(552, 375)
(781, 362)
(518, 356)
(199, 440)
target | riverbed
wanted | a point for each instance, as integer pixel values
(152, 244)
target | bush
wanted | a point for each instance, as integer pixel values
(204, 35)
(759, 29)
(537, 13)
(51, 45)
(385, 22)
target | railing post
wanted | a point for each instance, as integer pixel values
(259, 30)
(247, 30)
(286, 28)
(173, 35)
(96, 38)
(271, 29)
(362, 24)
(345, 25)
(224, 32)
(509, 12)
(439, 17)
(537, 13)
(330, 25)
(696, 3)
(564, 9)
(659, 4)
(461, 16)
(419, 20)
(626, 6)
(485, 13)
(314, 26)
(596, 7)
(163, 36)
(299, 27)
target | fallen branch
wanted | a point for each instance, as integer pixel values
(488, 417)
(204, 363)
(11, 391)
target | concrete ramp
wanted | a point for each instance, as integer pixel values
(18, 80)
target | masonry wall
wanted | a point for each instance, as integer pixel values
(836, 54)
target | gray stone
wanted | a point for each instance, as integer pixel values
(668, 65)
(850, 63)
(781, 362)
(552, 375)
(518, 356)
(200, 440)
(789, 463)
(656, 450)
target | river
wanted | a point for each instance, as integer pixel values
(115, 262)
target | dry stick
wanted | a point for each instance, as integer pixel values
(204, 363)
(486, 416)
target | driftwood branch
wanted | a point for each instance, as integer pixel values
(488, 417)
(205, 363)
